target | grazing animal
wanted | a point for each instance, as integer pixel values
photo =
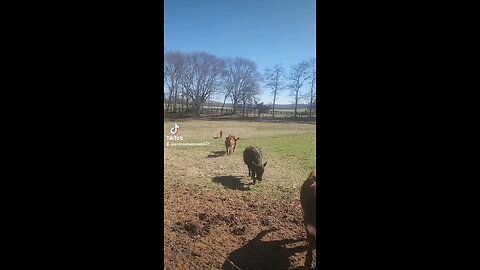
(221, 133)
(252, 156)
(231, 144)
(231, 136)
(308, 198)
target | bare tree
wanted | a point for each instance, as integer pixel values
(298, 75)
(174, 68)
(311, 95)
(227, 81)
(239, 74)
(313, 86)
(200, 78)
(249, 90)
(166, 71)
(274, 81)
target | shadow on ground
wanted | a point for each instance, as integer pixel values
(215, 154)
(231, 182)
(258, 254)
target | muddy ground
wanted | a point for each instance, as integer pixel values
(254, 233)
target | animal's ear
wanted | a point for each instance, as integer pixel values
(265, 164)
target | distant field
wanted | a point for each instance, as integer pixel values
(289, 149)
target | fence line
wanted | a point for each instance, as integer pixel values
(248, 112)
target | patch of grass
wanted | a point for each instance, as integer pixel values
(297, 151)
(289, 149)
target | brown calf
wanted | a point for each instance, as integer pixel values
(231, 144)
(308, 198)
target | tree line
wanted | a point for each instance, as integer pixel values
(193, 78)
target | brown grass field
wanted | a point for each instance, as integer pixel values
(213, 213)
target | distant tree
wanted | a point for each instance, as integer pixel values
(250, 88)
(262, 108)
(315, 105)
(240, 77)
(201, 77)
(298, 75)
(227, 81)
(254, 106)
(165, 74)
(274, 81)
(174, 65)
(311, 95)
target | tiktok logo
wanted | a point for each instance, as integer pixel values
(175, 129)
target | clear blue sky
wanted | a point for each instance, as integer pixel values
(267, 32)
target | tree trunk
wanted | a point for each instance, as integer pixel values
(182, 99)
(176, 100)
(198, 107)
(310, 110)
(273, 108)
(234, 106)
(223, 105)
(168, 101)
(296, 104)
(168, 105)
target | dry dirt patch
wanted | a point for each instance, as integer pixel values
(253, 233)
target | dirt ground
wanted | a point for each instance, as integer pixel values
(214, 214)
(253, 233)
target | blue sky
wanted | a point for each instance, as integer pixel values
(267, 32)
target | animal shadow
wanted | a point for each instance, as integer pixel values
(258, 254)
(215, 154)
(231, 182)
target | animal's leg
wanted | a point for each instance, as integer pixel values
(309, 257)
